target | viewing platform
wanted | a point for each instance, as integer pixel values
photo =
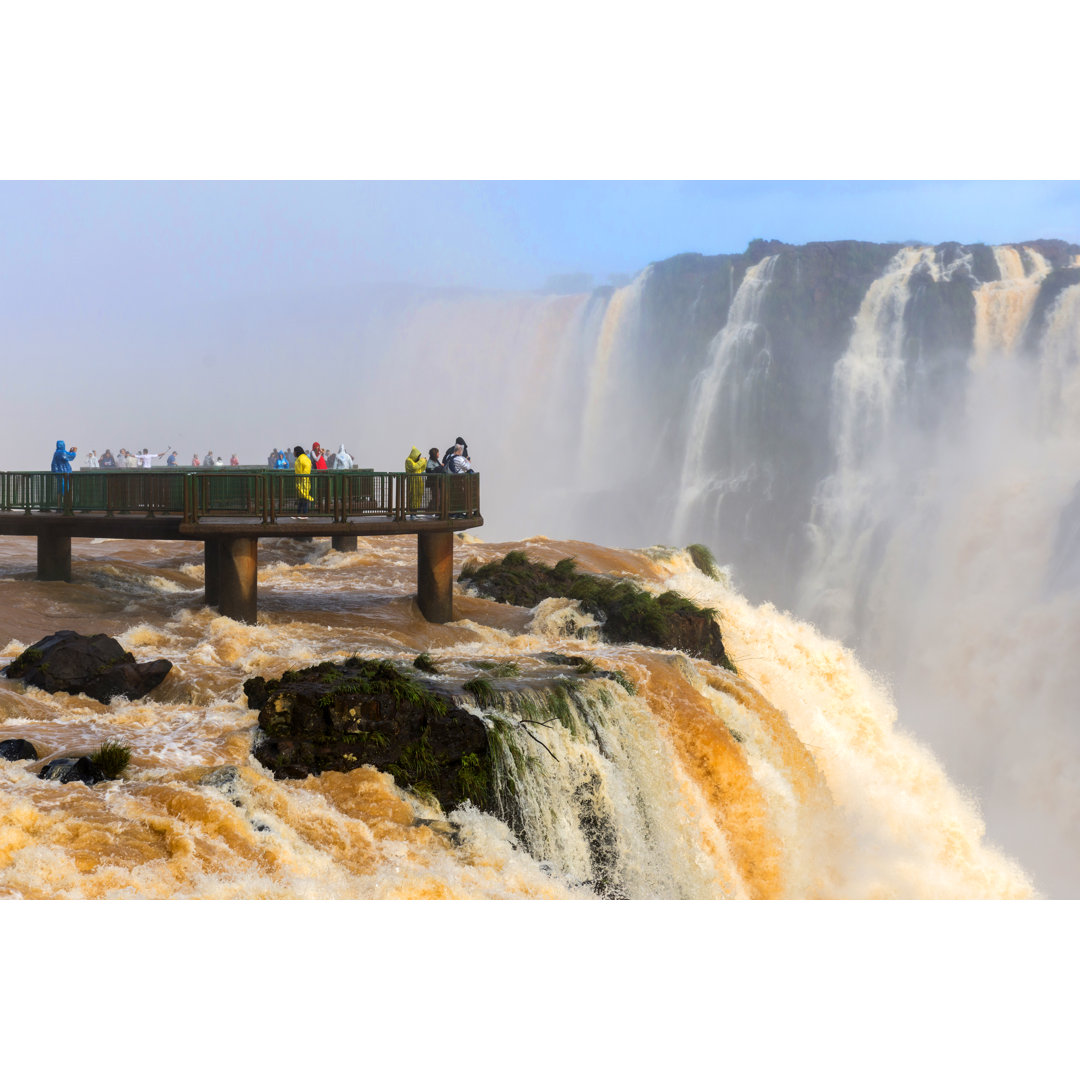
(230, 508)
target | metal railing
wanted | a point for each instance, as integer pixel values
(268, 495)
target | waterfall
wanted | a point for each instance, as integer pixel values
(683, 780)
(1003, 307)
(851, 502)
(721, 403)
(610, 391)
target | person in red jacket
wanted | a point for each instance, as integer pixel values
(320, 457)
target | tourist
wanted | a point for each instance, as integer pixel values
(62, 459)
(107, 460)
(272, 458)
(218, 462)
(92, 460)
(195, 463)
(282, 460)
(302, 468)
(171, 460)
(414, 466)
(61, 463)
(320, 458)
(146, 459)
(343, 459)
(450, 450)
(459, 461)
(234, 461)
(208, 461)
(433, 463)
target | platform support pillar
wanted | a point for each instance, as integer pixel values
(211, 572)
(343, 543)
(435, 575)
(53, 557)
(237, 578)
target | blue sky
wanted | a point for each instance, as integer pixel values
(110, 244)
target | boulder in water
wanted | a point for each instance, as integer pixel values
(18, 750)
(96, 665)
(68, 769)
(627, 612)
(337, 717)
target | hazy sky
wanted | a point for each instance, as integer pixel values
(110, 244)
(151, 305)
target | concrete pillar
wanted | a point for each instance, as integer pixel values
(237, 577)
(435, 575)
(53, 557)
(343, 543)
(211, 572)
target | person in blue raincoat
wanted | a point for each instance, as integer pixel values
(61, 461)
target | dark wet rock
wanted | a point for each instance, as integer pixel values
(1055, 284)
(769, 434)
(18, 750)
(337, 717)
(96, 665)
(446, 829)
(225, 777)
(68, 769)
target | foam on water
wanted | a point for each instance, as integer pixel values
(790, 779)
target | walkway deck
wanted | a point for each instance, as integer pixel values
(229, 509)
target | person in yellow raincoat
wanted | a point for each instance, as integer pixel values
(415, 466)
(302, 468)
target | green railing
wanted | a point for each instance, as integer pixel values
(267, 495)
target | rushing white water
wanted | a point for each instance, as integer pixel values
(933, 554)
(849, 506)
(722, 401)
(1003, 307)
(789, 779)
(945, 551)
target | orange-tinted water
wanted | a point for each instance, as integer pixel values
(790, 779)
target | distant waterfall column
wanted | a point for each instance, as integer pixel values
(435, 575)
(211, 572)
(238, 577)
(53, 557)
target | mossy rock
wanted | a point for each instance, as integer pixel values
(628, 613)
(337, 718)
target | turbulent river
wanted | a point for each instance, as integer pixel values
(790, 779)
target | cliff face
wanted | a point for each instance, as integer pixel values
(728, 404)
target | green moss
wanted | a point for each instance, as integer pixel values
(628, 613)
(623, 680)
(704, 561)
(112, 758)
(482, 690)
(366, 738)
(474, 780)
(417, 762)
(374, 678)
(559, 705)
(498, 669)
